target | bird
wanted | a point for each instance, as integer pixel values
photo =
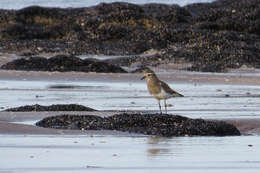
(159, 89)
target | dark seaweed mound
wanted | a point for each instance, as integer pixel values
(148, 124)
(62, 63)
(210, 36)
(40, 108)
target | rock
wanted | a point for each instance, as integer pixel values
(28, 64)
(229, 15)
(148, 124)
(62, 63)
(212, 37)
(78, 122)
(210, 51)
(59, 107)
(116, 27)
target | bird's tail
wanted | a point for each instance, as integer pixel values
(176, 94)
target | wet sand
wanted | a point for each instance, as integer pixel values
(7, 128)
(235, 78)
(246, 126)
(99, 153)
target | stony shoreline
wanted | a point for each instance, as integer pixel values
(211, 37)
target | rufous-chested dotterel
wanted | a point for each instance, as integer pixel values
(159, 89)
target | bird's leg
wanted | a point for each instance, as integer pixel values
(165, 105)
(159, 102)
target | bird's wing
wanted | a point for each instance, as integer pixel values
(169, 90)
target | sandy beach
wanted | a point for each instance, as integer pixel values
(36, 149)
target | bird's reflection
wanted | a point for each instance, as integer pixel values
(157, 151)
(158, 146)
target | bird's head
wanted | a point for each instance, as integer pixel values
(148, 74)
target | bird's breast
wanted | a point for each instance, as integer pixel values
(157, 91)
(162, 95)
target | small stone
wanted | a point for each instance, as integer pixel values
(227, 80)
(39, 48)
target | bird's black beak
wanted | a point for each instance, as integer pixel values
(143, 78)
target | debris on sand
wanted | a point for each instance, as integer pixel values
(57, 107)
(148, 124)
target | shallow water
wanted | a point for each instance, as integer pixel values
(5, 4)
(201, 100)
(128, 154)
